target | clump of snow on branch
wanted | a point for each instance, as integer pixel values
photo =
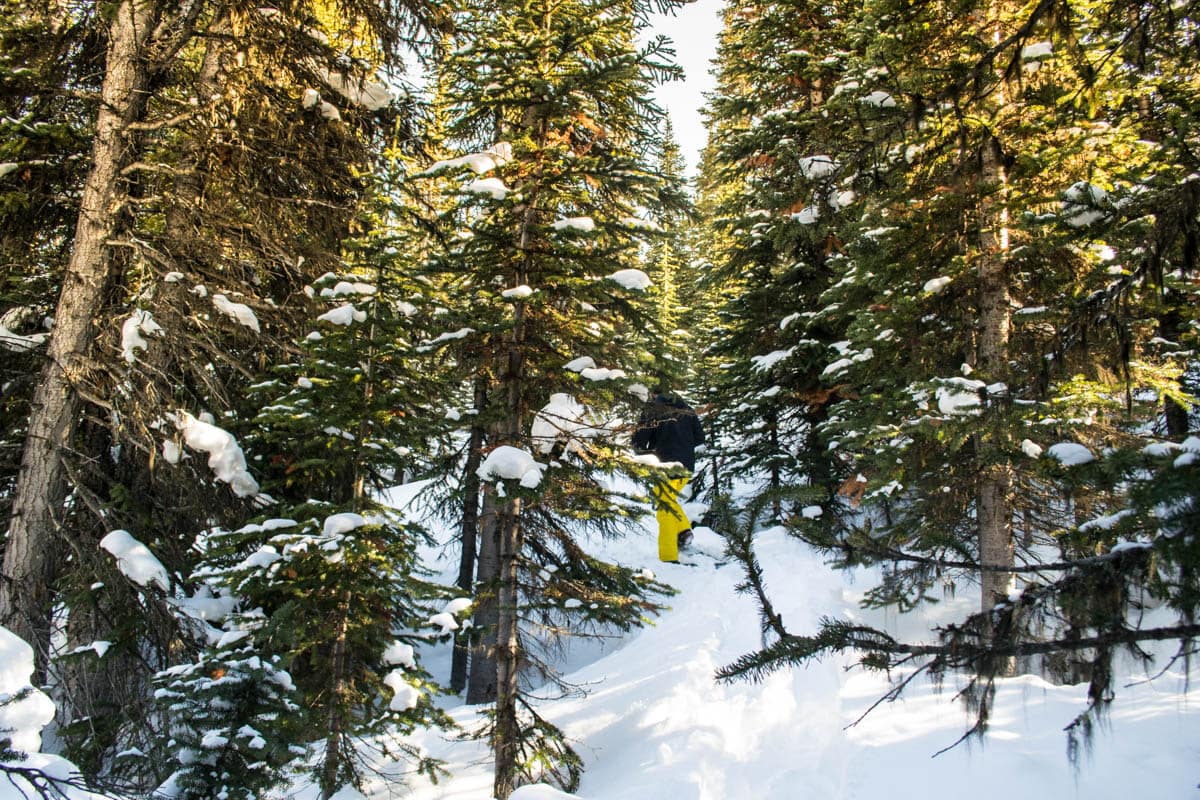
(1070, 454)
(577, 224)
(563, 419)
(225, 456)
(632, 279)
(487, 187)
(135, 560)
(817, 167)
(449, 336)
(1083, 204)
(959, 396)
(345, 314)
(936, 285)
(139, 322)
(240, 313)
(511, 463)
(517, 292)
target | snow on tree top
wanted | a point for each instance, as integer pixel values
(449, 336)
(633, 279)
(1037, 51)
(135, 560)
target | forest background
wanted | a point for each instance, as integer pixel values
(935, 291)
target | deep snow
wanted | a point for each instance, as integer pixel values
(652, 724)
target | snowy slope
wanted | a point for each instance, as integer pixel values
(653, 725)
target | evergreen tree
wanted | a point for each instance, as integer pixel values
(555, 95)
(1003, 169)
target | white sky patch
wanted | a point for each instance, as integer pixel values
(487, 187)
(575, 224)
(633, 279)
(240, 313)
(345, 314)
(225, 456)
(135, 560)
(1070, 454)
(140, 322)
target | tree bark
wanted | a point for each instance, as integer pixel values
(481, 685)
(336, 704)
(507, 736)
(470, 533)
(994, 504)
(30, 558)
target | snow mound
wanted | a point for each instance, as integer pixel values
(511, 463)
(225, 456)
(1070, 454)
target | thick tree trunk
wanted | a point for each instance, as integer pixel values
(30, 555)
(994, 504)
(481, 685)
(469, 535)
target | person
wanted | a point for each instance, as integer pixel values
(670, 429)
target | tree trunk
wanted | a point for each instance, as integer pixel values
(481, 685)
(994, 500)
(507, 735)
(30, 556)
(336, 704)
(470, 533)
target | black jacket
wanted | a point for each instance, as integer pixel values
(671, 430)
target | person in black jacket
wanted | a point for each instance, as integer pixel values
(670, 429)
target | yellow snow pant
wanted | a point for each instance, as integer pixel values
(671, 519)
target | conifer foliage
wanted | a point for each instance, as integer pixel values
(998, 265)
(548, 101)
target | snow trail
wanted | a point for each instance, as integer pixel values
(651, 722)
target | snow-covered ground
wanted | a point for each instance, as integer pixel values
(652, 724)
